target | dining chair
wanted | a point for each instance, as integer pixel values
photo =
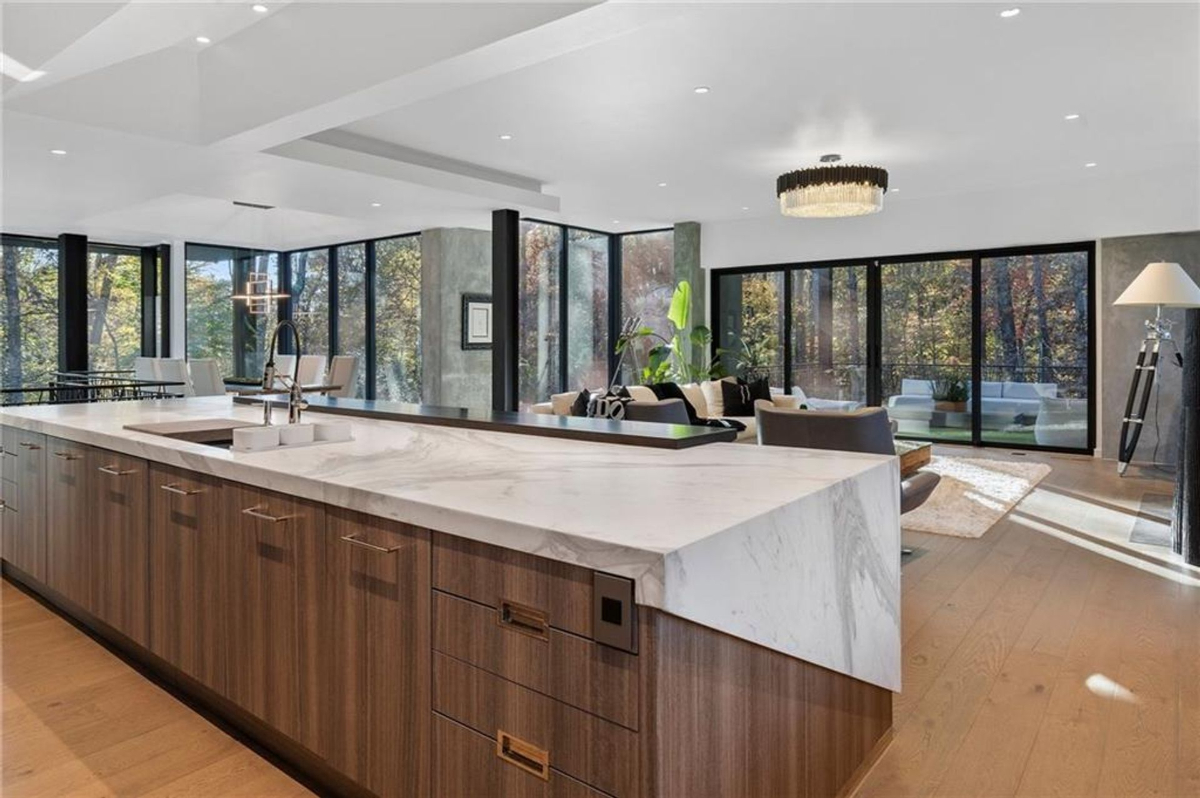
(343, 371)
(171, 369)
(312, 369)
(206, 377)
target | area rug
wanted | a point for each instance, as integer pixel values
(973, 495)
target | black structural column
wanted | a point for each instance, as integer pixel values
(72, 302)
(1187, 494)
(506, 241)
(149, 301)
(164, 293)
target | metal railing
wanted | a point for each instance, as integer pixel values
(83, 387)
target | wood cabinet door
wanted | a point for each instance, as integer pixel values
(275, 563)
(24, 542)
(186, 577)
(69, 529)
(377, 669)
(121, 550)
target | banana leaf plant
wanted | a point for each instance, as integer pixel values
(685, 357)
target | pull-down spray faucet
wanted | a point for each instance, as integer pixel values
(296, 401)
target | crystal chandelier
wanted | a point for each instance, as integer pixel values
(833, 190)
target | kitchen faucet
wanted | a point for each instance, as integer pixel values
(296, 401)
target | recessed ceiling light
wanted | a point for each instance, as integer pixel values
(702, 90)
(1009, 13)
(745, 207)
(58, 152)
(1089, 165)
(893, 190)
(376, 204)
(506, 136)
(260, 8)
(203, 40)
(616, 221)
(1071, 117)
(662, 185)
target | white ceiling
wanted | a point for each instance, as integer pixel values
(324, 108)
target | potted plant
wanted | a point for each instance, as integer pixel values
(949, 395)
(683, 358)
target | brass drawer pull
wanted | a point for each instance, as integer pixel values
(528, 758)
(4, 506)
(67, 456)
(173, 487)
(354, 541)
(113, 471)
(33, 447)
(525, 620)
(256, 512)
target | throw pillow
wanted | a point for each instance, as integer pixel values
(739, 397)
(713, 397)
(579, 407)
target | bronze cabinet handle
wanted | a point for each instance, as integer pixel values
(33, 447)
(526, 756)
(353, 540)
(113, 471)
(173, 487)
(257, 512)
(67, 456)
(526, 620)
(4, 506)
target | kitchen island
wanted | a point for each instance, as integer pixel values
(542, 616)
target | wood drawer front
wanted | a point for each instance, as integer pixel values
(23, 452)
(70, 521)
(491, 574)
(586, 675)
(465, 765)
(580, 745)
(187, 574)
(120, 556)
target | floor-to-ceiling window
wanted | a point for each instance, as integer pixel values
(398, 319)
(352, 309)
(29, 321)
(988, 346)
(114, 281)
(925, 361)
(218, 326)
(310, 299)
(588, 340)
(752, 325)
(538, 312)
(647, 285)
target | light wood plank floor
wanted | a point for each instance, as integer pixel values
(77, 721)
(1036, 667)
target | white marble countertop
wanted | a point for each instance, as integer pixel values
(797, 550)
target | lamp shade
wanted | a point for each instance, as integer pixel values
(1162, 284)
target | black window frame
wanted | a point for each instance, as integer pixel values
(874, 266)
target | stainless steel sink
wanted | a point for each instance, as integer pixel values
(216, 432)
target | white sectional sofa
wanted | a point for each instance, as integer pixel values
(708, 401)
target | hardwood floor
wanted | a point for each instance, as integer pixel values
(78, 721)
(1034, 666)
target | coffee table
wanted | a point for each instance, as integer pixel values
(914, 455)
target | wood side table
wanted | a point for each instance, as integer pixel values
(914, 455)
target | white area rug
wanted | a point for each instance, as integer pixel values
(973, 495)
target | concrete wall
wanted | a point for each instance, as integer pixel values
(1121, 331)
(454, 261)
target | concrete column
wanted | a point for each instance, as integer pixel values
(687, 267)
(178, 300)
(454, 261)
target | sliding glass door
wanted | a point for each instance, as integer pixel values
(925, 362)
(992, 347)
(1035, 374)
(829, 332)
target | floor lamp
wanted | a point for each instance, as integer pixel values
(1160, 285)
